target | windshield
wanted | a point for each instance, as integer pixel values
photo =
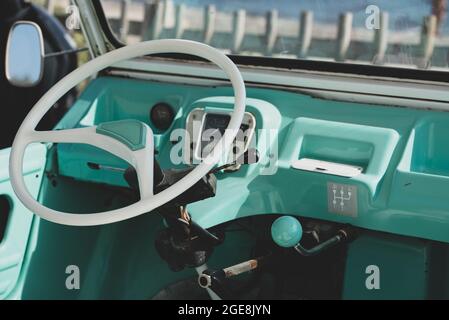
(394, 33)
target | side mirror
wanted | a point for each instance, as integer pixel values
(24, 54)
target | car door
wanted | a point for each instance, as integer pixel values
(15, 220)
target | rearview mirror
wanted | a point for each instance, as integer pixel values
(24, 54)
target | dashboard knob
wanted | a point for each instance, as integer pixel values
(286, 231)
(162, 116)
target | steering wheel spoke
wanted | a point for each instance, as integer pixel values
(113, 141)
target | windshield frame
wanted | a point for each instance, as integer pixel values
(296, 64)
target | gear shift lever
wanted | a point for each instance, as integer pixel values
(286, 231)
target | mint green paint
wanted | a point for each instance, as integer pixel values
(367, 146)
(117, 261)
(403, 190)
(132, 133)
(286, 231)
(376, 137)
(75, 157)
(14, 245)
(402, 264)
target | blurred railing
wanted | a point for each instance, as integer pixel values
(270, 35)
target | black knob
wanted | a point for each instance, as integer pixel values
(162, 115)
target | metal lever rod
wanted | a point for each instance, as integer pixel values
(215, 280)
(341, 236)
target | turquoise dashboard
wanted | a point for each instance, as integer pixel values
(402, 186)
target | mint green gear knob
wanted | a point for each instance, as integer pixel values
(286, 231)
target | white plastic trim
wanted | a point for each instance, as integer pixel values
(141, 158)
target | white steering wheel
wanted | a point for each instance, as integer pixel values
(137, 149)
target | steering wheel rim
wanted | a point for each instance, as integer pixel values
(27, 134)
